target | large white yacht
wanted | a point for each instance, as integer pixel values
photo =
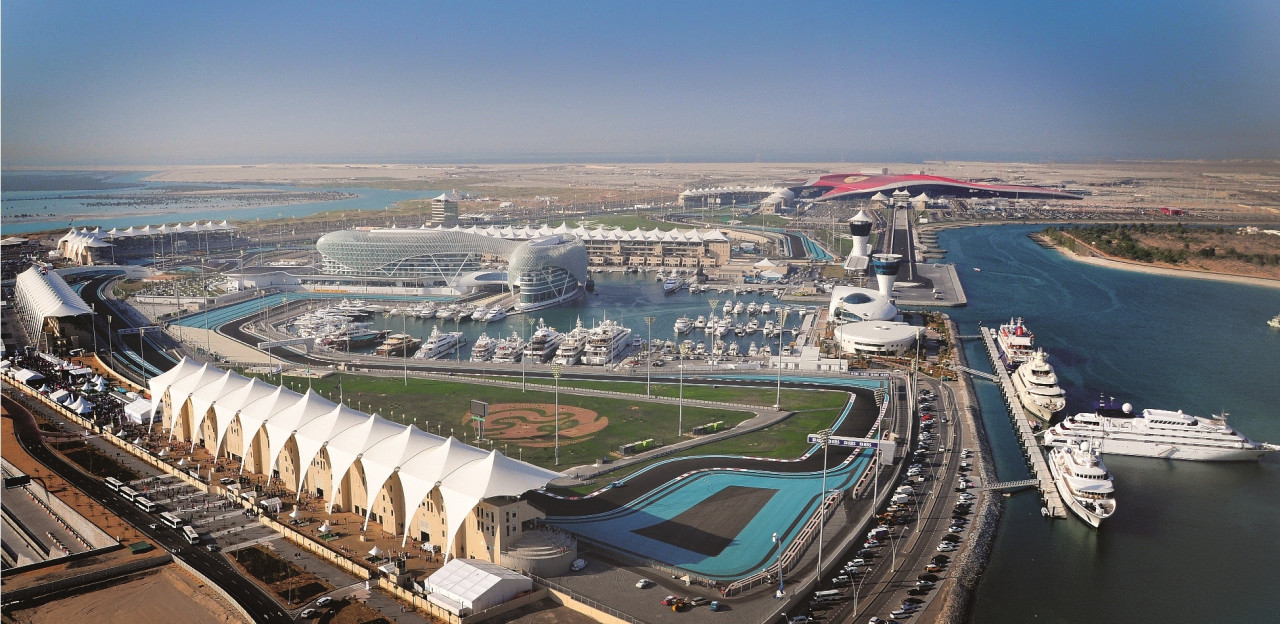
(1016, 342)
(683, 325)
(672, 284)
(1083, 481)
(509, 350)
(571, 348)
(482, 350)
(1157, 433)
(1037, 386)
(439, 344)
(607, 342)
(543, 344)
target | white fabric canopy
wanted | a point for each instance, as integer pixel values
(47, 295)
(61, 396)
(27, 375)
(138, 411)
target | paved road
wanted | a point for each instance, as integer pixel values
(895, 573)
(212, 565)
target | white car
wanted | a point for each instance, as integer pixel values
(643, 583)
(946, 547)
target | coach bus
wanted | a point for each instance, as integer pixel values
(145, 504)
(113, 484)
(191, 534)
(128, 493)
(170, 520)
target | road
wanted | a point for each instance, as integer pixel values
(212, 564)
(897, 567)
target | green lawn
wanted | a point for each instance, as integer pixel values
(792, 399)
(785, 440)
(442, 407)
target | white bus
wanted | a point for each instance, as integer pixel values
(171, 520)
(128, 493)
(191, 534)
(145, 504)
(113, 484)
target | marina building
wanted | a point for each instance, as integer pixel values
(92, 247)
(543, 270)
(410, 483)
(676, 248)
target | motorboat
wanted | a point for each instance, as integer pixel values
(607, 342)
(1037, 387)
(509, 350)
(496, 313)
(439, 344)
(543, 344)
(1016, 343)
(683, 325)
(482, 350)
(397, 345)
(573, 345)
(1158, 433)
(1083, 482)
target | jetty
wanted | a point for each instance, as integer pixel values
(1041, 476)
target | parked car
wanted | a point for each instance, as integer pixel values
(643, 583)
(324, 601)
(578, 564)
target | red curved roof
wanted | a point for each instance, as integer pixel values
(846, 184)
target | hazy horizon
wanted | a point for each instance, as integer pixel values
(170, 84)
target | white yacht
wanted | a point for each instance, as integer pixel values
(1083, 481)
(700, 322)
(571, 348)
(439, 344)
(672, 283)
(767, 308)
(753, 350)
(727, 308)
(480, 313)
(543, 344)
(424, 311)
(1016, 342)
(607, 342)
(497, 313)
(397, 345)
(509, 350)
(1037, 387)
(482, 350)
(1157, 433)
(684, 325)
(739, 307)
(753, 308)
(753, 326)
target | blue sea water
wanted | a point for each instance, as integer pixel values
(65, 207)
(1190, 541)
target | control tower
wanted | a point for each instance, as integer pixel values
(886, 269)
(860, 229)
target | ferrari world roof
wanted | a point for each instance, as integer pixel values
(853, 186)
(464, 474)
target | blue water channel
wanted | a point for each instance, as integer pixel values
(1190, 541)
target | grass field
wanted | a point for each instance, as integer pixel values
(442, 407)
(785, 440)
(794, 400)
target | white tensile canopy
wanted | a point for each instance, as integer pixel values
(421, 461)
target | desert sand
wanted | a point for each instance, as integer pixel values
(168, 595)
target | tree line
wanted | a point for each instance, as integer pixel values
(1118, 240)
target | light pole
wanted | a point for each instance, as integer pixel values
(782, 320)
(111, 342)
(684, 350)
(824, 437)
(404, 324)
(555, 372)
(781, 590)
(94, 307)
(648, 320)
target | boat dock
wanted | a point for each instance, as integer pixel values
(1026, 436)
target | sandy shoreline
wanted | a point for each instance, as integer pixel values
(1137, 267)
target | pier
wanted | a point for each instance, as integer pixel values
(1026, 436)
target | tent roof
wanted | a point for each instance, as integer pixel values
(49, 295)
(466, 580)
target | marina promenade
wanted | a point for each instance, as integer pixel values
(1026, 436)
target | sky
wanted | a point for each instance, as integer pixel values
(171, 83)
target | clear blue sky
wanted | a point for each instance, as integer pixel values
(101, 83)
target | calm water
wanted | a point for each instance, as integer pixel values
(68, 204)
(1190, 542)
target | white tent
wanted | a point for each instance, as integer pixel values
(375, 552)
(138, 412)
(765, 264)
(81, 406)
(465, 586)
(61, 396)
(27, 376)
(325, 528)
